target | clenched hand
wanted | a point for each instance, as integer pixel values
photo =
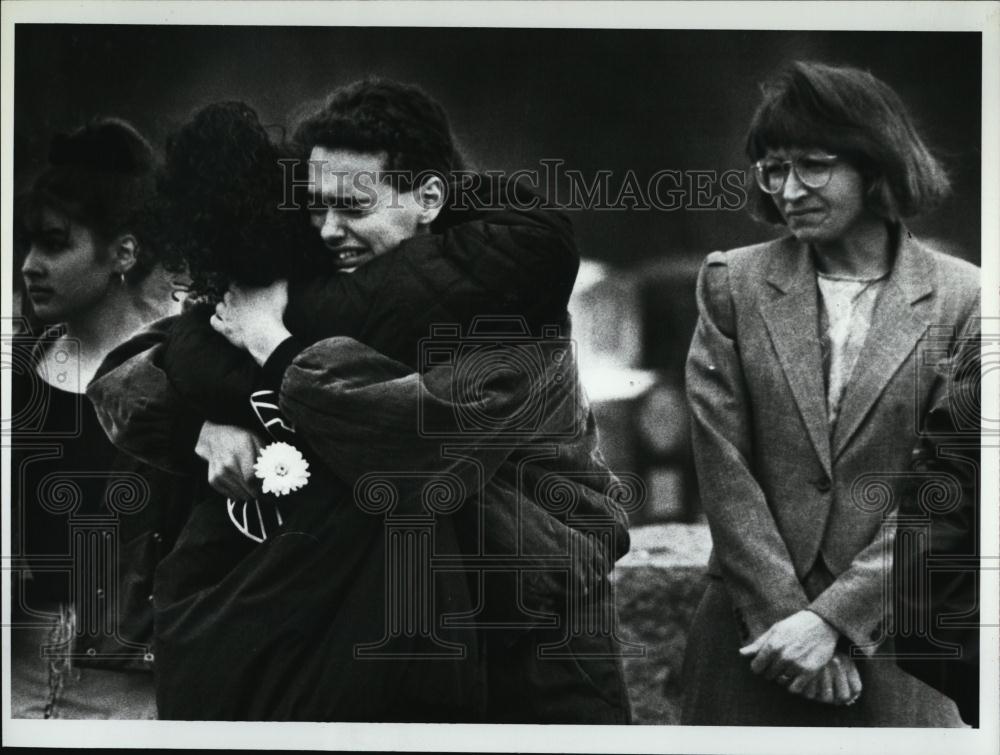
(251, 318)
(230, 452)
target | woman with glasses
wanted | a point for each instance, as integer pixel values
(808, 379)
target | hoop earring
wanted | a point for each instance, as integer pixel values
(121, 277)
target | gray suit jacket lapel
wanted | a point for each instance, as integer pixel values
(897, 324)
(792, 321)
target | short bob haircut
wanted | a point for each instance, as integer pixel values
(376, 115)
(857, 117)
(102, 176)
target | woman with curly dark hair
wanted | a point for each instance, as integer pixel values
(221, 218)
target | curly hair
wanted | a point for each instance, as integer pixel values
(857, 116)
(102, 176)
(220, 194)
(380, 115)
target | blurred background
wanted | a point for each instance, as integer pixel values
(597, 100)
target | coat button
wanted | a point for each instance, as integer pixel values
(100, 592)
(157, 536)
(822, 484)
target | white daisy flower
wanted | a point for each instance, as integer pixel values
(282, 468)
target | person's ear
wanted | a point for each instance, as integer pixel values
(430, 195)
(126, 253)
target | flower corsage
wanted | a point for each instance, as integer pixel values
(282, 468)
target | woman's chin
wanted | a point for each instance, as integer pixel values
(46, 313)
(809, 234)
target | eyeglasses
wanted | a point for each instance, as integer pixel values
(813, 171)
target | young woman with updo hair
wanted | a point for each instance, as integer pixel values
(89, 523)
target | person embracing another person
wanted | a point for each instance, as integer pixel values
(326, 354)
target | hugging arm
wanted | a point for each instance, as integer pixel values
(372, 419)
(141, 412)
(363, 412)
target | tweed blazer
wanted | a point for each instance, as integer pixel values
(787, 497)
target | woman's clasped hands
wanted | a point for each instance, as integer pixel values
(800, 653)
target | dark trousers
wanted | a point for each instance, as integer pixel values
(552, 675)
(525, 686)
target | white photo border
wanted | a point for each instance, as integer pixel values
(981, 17)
